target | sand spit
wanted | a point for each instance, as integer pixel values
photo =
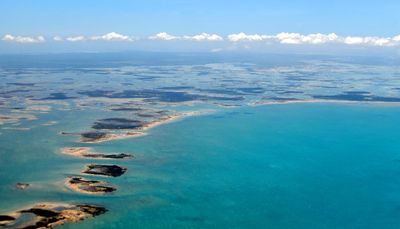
(98, 136)
(171, 118)
(86, 152)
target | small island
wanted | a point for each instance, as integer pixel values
(105, 170)
(49, 215)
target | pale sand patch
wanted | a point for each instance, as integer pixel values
(86, 152)
(17, 128)
(50, 123)
(172, 118)
(76, 151)
(113, 136)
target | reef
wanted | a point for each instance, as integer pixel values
(105, 170)
(117, 124)
(49, 215)
(82, 185)
(22, 186)
(93, 136)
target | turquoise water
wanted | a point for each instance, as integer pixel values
(308, 166)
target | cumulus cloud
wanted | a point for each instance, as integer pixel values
(204, 37)
(113, 36)
(199, 37)
(316, 38)
(375, 41)
(353, 40)
(76, 38)
(21, 39)
(396, 38)
(164, 36)
(244, 37)
(285, 38)
(280, 38)
(296, 38)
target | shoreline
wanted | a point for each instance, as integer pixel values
(266, 103)
(143, 130)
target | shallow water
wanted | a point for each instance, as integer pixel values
(310, 165)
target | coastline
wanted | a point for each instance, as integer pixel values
(266, 103)
(143, 130)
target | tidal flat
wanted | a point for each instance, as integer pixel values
(200, 144)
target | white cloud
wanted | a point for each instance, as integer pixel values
(353, 40)
(199, 37)
(204, 37)
(318, 38)
(244, 37)
(21, 39)
(286, 38)
(76, 38)
(164, 36)
(280, 38)
(374, 41)
(289, 38)
(315, 39)
(379, 41)
(396, 38)
(113, 36)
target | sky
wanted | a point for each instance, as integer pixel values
(197, 25)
